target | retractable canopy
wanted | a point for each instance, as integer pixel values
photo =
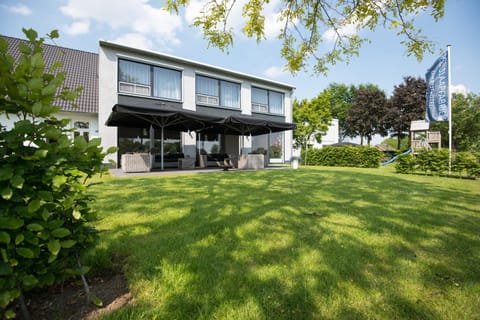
(165, 116)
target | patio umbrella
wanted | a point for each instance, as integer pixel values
(247, 126)
(161, 117)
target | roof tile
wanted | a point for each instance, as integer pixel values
(81, 69)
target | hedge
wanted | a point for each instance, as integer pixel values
(346, 156)
(435, 162)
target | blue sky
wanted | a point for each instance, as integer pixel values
(142, 23)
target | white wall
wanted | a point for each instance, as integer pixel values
(107, 97)
(73, 116)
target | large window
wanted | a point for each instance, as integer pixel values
(267, 101)
(147, 80)
(217, 92)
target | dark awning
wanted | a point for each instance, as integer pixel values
(160, 117)
(245, 126)
(165, 116)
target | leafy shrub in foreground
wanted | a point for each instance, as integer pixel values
(44, 203)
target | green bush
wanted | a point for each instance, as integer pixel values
(405, 164)
(44, 203)
(346, 156)
(435, 162)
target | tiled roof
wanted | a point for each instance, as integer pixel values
(81, 69)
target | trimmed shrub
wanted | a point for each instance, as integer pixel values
(346, 156)
(435, 162)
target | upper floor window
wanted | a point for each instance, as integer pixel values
(217, 92)
(144, 79)
(267, 101)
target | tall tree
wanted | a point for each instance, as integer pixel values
(367, 115)
(341, 97)
(406, 104)
(305, 24)
(312, 118)
(465, 123)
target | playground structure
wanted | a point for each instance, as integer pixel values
(422, 138)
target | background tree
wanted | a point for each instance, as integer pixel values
(312, 118)
(465, 123)
(406, 104)
(44, 200)
(341, 97)
(367, 115)
(305, 23)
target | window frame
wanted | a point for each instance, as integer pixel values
(208, 99)
(269, 104)
(151, 77)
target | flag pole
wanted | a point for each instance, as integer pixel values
(449, 112)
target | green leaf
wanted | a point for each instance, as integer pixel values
(95, 142)
(68, 243)
(17, 182)
(41, 153)
(96, 300)
(5, 269)
(54, 247)
(23, 48)
(37, 108)
(54, 224)
(25, 252)
(7, 193)
(35, 84)
(29, 281)
(5, 297)
(6, 173)
(49, 90)
(4, 237)
(59, 181)
(61, 233)
(10, 314)
(34, 227)
(82, 270)
(80, 142)
(37, 60)
(52, 258)
(10, 223)
(19, 239)
(33, 206)
(30, 34)
(76, 214)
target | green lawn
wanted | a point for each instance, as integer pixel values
(315, 243)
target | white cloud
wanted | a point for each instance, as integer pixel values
(77, 27)
(136, 40)
(460, 88)
(347, 30)
(275, 72)
(19, 9)
(130, 17)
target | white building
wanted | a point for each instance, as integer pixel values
(212, 111)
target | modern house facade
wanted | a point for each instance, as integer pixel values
(239, 113)
(131, 78)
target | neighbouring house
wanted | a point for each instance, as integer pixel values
(81, 71)
(172, 108)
